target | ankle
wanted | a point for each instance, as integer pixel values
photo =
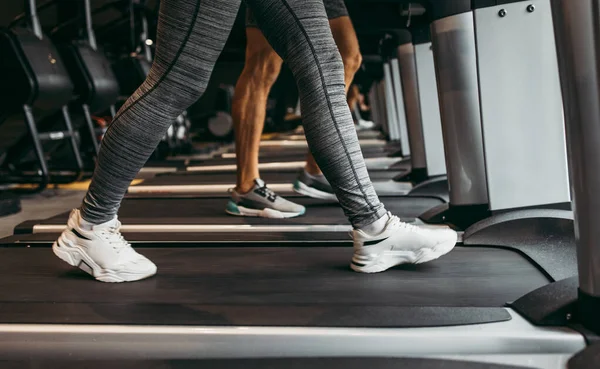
(313, 176)
(244, 187)
(377, 226)
(83, 223)
(315, 172)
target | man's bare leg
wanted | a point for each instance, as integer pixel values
(260, 72)
(251, 197)
(352, 96)
(347, 43)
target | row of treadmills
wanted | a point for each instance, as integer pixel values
(237, 292)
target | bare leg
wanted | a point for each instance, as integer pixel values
(353, 97)
(249, 105)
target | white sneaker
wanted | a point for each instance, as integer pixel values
(101, 251)
(364, 125)
(399, 243)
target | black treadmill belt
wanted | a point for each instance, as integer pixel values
(200, 178)
(267, 286)
(269, 150)
(284, 156)
(268, 155)
(212, 211)
(282, 363)
(273, 157)
(218, 238)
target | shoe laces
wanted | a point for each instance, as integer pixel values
(267, 192)
(112, 235)
(395, 222)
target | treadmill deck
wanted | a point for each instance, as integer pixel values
(184, 215)
(257, 286)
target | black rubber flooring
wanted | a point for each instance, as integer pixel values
(267, 286)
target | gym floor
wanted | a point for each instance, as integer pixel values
(54, 201)
(42, 205)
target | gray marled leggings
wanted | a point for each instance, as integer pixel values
(191, 35)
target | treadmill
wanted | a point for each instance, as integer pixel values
(194, 220)
(200, 218)
(215, 176)
(265, 305)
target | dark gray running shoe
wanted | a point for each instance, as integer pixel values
(262, 202)
(314, 186)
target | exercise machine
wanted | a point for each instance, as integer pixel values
(40, 88)
(268, 304)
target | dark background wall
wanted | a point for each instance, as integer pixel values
(226, 71)
(388, 14)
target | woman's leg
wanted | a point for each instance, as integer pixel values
(346, 41)
(190, 37)
(299, 32)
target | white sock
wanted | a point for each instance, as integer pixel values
(377, 226)
(85, 225)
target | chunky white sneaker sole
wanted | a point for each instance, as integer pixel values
(76, 256)
(303, 189)
(241, 211)
(388, 259)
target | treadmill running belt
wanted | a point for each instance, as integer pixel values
(267, 287)
(200, 178)
(273, 156)
(212, 211)
(266, 152)
(282, 157)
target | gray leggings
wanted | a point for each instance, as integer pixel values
(191, 35)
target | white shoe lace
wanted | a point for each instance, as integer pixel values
(112, 235)
(395, 222)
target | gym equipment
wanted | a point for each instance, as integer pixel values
(220, 124)
(216, 184)
(499, 159)
(576, 28)
(9, 203)
(395, 116)
(132, 68)
(204, 220)
(431, 183)
(415, 89)
(95, 83)
(242, 300)
(40, 87)
(291, 363)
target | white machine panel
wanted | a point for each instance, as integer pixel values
(400, 108)
(390, 103)
(430, 110)
(521, 106)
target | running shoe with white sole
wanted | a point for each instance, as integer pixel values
(399, 243)
(316, 187)
(101, 251)
(364, 125)
(262, 202)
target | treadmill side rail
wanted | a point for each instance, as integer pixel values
(550, 305)
(513, 337)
